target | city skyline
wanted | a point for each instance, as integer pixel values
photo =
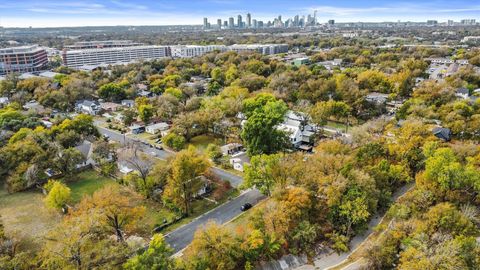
(25, 13)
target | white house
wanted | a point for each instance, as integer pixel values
(88, 107)
(155, 128)
(298, 129)
(462, 93)
(4, 101)
(129, 103)
(378, 98)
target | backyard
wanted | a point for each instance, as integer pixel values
(26, 217)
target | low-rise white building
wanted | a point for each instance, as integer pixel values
(188, 51)
(88, 107)
(156, 128)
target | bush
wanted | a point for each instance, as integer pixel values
(214, 152)
(58, 195)
(174, 141)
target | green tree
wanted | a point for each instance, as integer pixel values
(185, 179)
(66, 160)
(173, 140)
(58, 196)
(218, 75)
(146, 112)
(174, 92)
(214, 152)
(156, 257)
(262, 173)
(112, 92)
(260, 133)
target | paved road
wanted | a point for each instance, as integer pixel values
(181, 237)
(234, 180)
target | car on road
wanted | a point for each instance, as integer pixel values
(246, 206)
(158, 147)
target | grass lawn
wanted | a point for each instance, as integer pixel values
(201, 142)
(336, 125)
(87, 183)
(26, 217)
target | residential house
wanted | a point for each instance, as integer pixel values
(377, 98)
(137, 128)
(4, 101)
(300, 132)
(86, 148)
(462, 93)
(231, 148)
(444, 134)
(124, 168)
(129, 103)
(141, 87)
(46, 123)
(158, 127)
(145, 93)
(88, 107)
(110, 106)
(34, 106)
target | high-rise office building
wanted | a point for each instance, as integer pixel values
(249, 20)
(239, 21)
(219, 23)
(260, 24)
(296, 21)
(468, 22)
(255, 23)
(22, 59)
(231, 23)
(225, 24)
(205, 23)
(331, 22)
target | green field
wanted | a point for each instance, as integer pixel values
(201, 142)
(88, 182)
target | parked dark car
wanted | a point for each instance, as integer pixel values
(246, 206)
(158, 147)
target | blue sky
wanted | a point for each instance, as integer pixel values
(52, 13)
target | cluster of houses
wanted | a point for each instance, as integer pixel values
(440, 68)
(301, 134)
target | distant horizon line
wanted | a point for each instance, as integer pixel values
(200, 25)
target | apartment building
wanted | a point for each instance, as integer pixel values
(22, 59)
(102, 44)
(265, 49)
(188, 51)
(113, 56)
